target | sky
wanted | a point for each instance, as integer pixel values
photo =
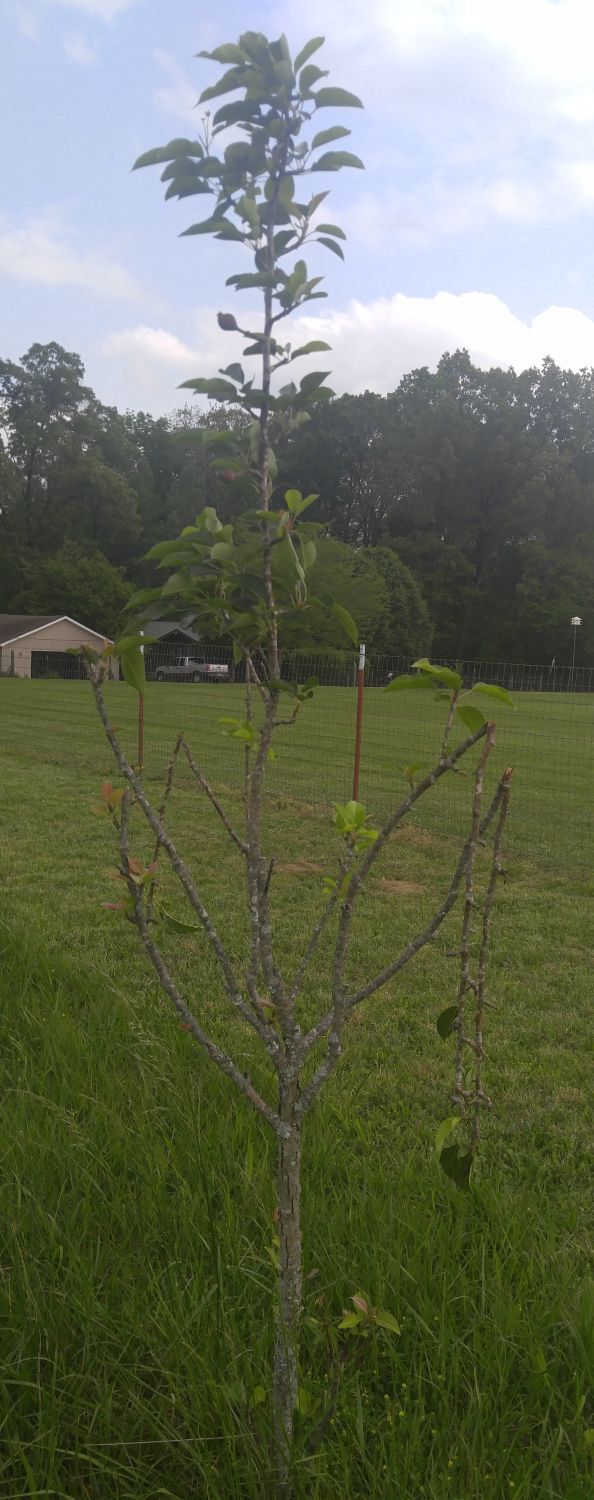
(472, 225)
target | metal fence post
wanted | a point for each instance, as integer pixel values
(141, 724)
(359, 725)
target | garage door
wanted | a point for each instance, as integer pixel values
(56, 664)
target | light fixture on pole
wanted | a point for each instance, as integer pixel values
(576, 620)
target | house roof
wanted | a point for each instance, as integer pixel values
(14, 627)
(160, 629)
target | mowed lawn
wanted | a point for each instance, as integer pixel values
(137, 1191)
(548, 738)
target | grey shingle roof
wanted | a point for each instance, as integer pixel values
(13, 626)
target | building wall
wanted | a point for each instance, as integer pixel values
(60, 636)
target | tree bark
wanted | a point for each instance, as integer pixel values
(286, 1351)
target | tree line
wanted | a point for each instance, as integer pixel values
(459, 509)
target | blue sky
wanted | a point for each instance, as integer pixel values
(472, 225)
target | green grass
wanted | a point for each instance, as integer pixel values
(137, 1190)
(549, 739)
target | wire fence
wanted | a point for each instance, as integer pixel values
(47, 711)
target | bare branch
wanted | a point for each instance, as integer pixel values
(266, 1033)
(331, 1024)
(161, 815)
(466, 983)
(320, 928)
(480, 1098)
(375, 849)
(448, 725)
(212, 797)
(214, 1052)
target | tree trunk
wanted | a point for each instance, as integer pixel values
(286, 1352)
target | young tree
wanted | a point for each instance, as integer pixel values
(244, 584)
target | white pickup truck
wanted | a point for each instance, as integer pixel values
(193, 669)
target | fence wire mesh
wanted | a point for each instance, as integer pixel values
(47, 712)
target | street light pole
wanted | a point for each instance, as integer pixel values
(576, 620)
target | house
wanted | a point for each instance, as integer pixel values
(171, 639)
(39, 646)
(172, 632)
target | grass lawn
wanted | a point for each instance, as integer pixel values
(549, 739)
(137, 1190)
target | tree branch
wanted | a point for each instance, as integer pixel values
(331, 1024)
(480, 1098)
(469, 906)
(375, 849)
(266, 1033)
(206, 787)
(320, 928)
(215, 1053)
(161, 815)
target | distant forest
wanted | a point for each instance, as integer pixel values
(459, 509)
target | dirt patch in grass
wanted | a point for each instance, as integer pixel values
(402, 887)
(300, 867)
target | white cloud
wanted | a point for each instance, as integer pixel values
(148, 364)
(373, 344)
(177, 96)
(105, 10)
(78, 51)
(143, 347)
(41, 252)
(25, 21)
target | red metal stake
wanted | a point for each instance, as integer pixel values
(141, 723)
(359, 728)
(141, 732)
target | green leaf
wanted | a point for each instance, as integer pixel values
(332, 161)
(334, 133)
(457, 1165)
(234, 372)
(309, 76)
(386, 1320)
(351, 1320)
(471, 717)
(315, 346)
(222, 551)
(451, 679)
(132, 661)
(126, 642)
(331, 245)
(308, 554)
(308, 51)
(398, 683)
(228, 52)
(234, 78)
(159, 154)
(207, 226)
(337, 98)
(185, 186)
(491, 690)
(258, 1395)
(444, 1130)
(245, 280)
(217, 390)
(333, 229)
(348, 624)
(178, 167)
(446, 1020)
(238, 110)
(312, 381)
